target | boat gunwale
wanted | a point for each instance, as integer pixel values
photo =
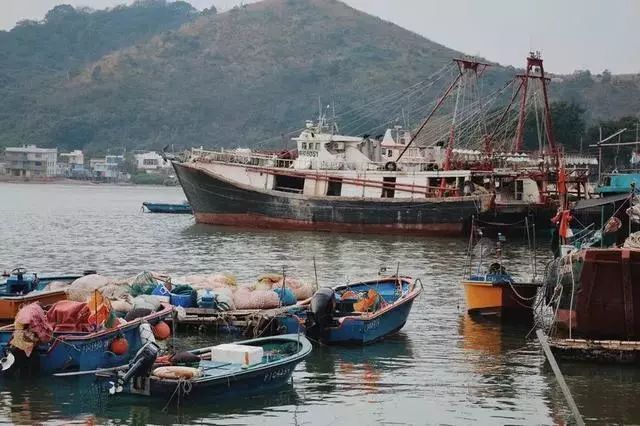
(88, 336)
(305, 349)
(369, 316)
(413, 202)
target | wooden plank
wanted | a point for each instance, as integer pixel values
(627, 289)
(559, 377)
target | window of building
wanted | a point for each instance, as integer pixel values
(38, 163)
(389, 153)
(304, 145)
(150, 162)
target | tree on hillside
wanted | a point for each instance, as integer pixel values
(568, 126)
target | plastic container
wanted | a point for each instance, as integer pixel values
(184, 300)
(237, 354)
(160, 290)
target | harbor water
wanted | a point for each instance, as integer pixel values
(442, 368)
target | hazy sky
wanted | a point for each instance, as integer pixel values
(572, 34)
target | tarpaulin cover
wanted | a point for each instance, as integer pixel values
(68, 315)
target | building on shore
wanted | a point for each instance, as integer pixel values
(31, 162)
(151, 162)
(108, 168)
(71, 165)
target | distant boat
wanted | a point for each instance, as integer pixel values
(361, 313)
(250, 366)
(175, 208)
(20, 287)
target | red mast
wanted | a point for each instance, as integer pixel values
(535, 70)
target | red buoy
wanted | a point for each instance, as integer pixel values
(119, 346)
(161, 330)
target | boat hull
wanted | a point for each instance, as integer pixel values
(600, 293)
(235, 382)
(370, 327)
(219, 201)
(82, 351)
(486, 298)
(9, 306)
(168, 208)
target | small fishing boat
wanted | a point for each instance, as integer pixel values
(245, 367)
(496, 294)
(175, 208)
(493, 292)
(361, 313)
(56, 342)
(20, 288)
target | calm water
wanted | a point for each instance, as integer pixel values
(443, 368)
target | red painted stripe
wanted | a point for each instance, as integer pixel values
(249, 220)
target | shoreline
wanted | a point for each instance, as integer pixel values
(65, 181)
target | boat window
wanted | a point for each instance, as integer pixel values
(388, 187)
(389, 153)
(334, 187)
(519, 190)
(288, 184)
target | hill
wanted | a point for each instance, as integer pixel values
(237, 78)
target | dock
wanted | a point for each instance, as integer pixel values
(250, 322)
(603, 351)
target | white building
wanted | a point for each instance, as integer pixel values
(151, 161)
(107, 167)
(31, 161)
(72, 158)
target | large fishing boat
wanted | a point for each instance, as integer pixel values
(331, 185)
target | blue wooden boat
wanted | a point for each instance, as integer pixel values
(216, 379)
(175, 208)
(78, 351)
(335, 316)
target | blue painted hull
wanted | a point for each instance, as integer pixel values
(168, 208)
(259, 378)
(371, 327)
(363, 332)
(86, 351)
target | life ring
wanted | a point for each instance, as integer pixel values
(391, 166)
(175, 373)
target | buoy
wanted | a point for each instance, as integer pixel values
(161, 330)
(119, 346)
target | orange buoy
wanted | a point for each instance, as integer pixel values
(119, 346)
(161, 330)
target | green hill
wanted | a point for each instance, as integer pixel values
(237, 78)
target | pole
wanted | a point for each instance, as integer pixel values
(559, 377)
(315, 271)
(600, 157)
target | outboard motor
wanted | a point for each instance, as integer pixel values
(140, 366)
(323, 305)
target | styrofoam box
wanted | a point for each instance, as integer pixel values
(237, 354)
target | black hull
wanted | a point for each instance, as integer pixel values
(216, 200)
(515, 221)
